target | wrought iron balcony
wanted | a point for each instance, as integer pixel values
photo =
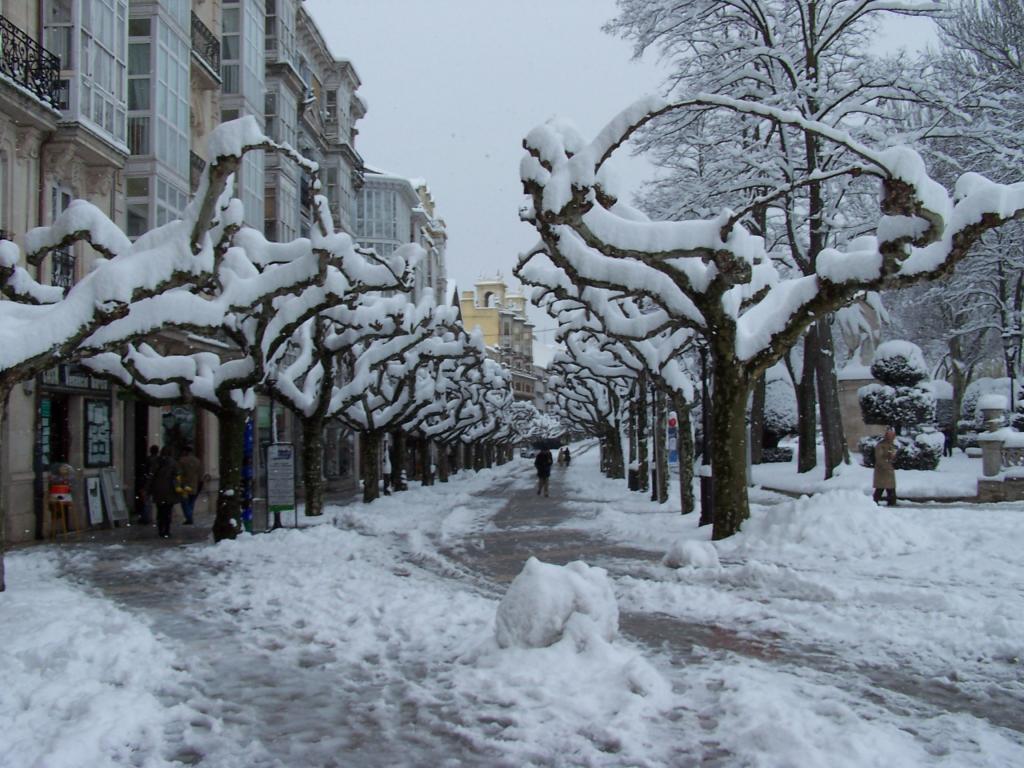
(28, 64)
(63, 268)
(206, 45)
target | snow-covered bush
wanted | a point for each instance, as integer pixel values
(899, 364)
(545, 601)
(923, 451)
(779, 410)
(903, 406)
(776, 455)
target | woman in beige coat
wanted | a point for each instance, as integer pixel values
(884, 479)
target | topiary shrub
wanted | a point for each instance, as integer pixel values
(904, 401)
(776, 455)
(923, 451)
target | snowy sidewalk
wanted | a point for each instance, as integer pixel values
(826, 634)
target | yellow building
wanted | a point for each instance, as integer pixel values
(507, 331)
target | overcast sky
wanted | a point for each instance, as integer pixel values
(453, 86)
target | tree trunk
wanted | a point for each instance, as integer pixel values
(757, 421)
(312, 464)
(641, 436)
(467, 456)
(231, 456)
(427, 476)
(828, 398)
(4, 393)
(398, 460)
(684, 449)
(442, 463)
(369, 460)
(616, 460)
(729, 451)
(488, 454)
(806, 426)
(660, 447)
(632, 416)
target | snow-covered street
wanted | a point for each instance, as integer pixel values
(828, 633)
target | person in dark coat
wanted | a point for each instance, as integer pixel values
(164, 491)
(146, 485)
(543, 464)
(884, 479)
(191, 469)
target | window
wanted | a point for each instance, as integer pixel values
(99, 80)
(230, 43)
(376, 214)
(172, 99)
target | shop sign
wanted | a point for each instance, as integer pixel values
(74, 377)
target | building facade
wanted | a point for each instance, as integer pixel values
(392, 211)
(110, 101)
(507, 331)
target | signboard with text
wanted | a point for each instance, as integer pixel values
(280, 477)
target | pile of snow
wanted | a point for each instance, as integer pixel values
(545, 602)
(993, 402)
(81, 677)
(844, 525)
(689, 553)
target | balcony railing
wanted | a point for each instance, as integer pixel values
(63, 267)
(28, 64)
(206, 45)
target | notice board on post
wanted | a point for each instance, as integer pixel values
(113, 496)
(281, 478)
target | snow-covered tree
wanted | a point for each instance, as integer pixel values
(133, 289)
(716, 278)
(787, 184)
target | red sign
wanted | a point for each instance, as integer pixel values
(671, 422)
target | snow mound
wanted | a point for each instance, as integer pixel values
(697, 554)
(993, 402)
(845, 524)
(545, 601)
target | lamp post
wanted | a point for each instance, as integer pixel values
(707, 503)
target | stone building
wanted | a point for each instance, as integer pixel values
(508, 332)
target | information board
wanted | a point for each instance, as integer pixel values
(113, 496)
(280, 477)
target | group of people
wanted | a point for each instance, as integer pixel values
(543, 463)
(170, 481)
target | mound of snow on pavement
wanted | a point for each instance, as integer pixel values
(80, 677)
(695, 554)
(845, 525)
(544, 602)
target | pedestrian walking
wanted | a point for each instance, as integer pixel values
(568, 456)
(190, 470)
(543, 464)
(146, 484)
(884, 479)
(164, 490)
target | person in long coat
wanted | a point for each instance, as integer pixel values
(164, 490)
(884, 480)
(543, 464)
